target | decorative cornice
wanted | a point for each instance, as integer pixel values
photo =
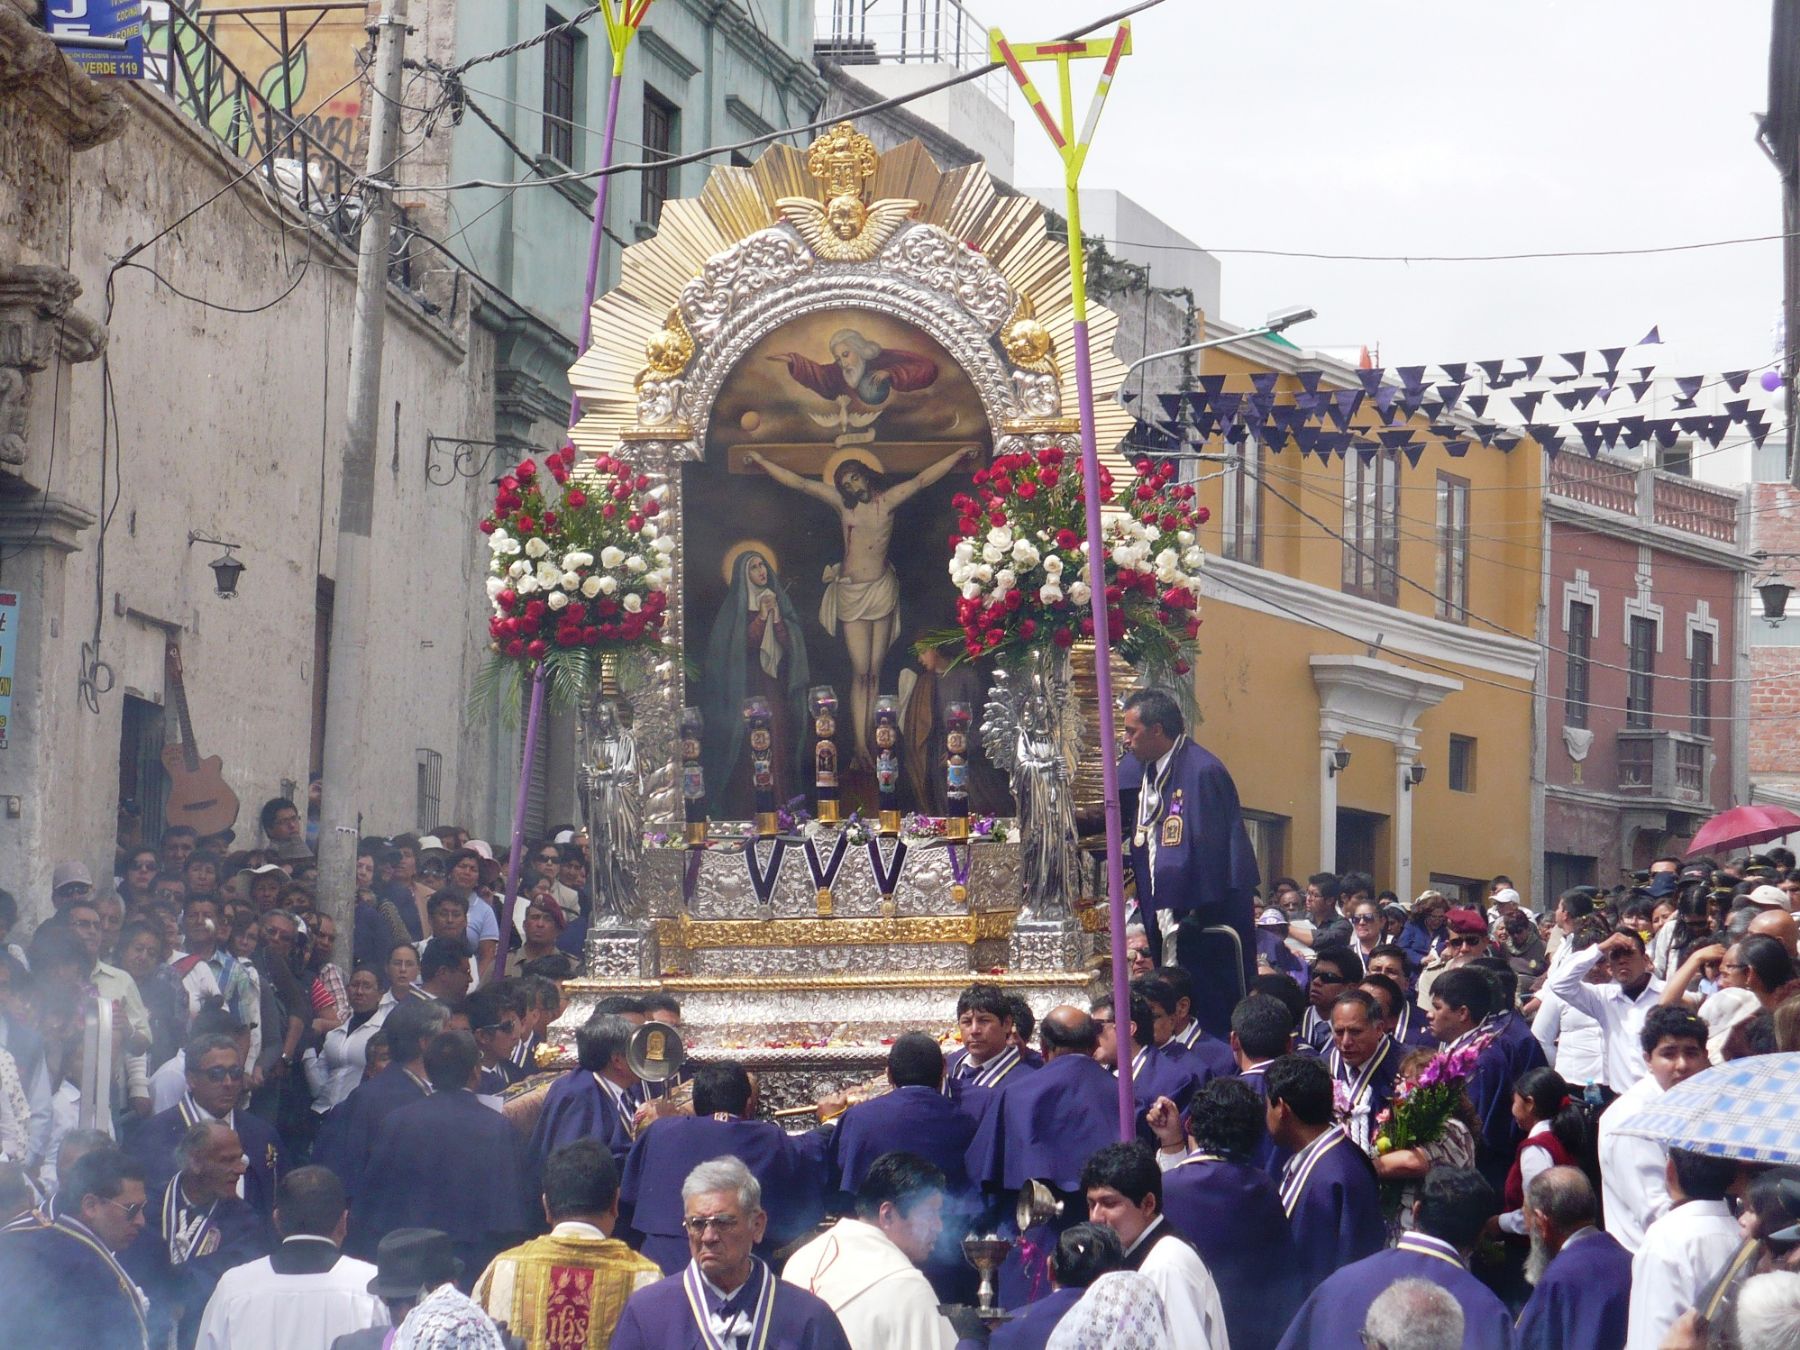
(732, 933)
(1397, 630)
(43, 520)
(661, 49)
(85, 111)
(1566, 511)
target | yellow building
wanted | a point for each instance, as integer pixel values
(1367, 669)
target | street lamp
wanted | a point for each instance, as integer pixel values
(226, 568)
(1279, 321)
(1774, 592)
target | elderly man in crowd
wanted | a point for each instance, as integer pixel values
(725, 1295)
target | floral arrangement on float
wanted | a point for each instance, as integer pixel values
(1020, 564)
(1019, 560)
(575, 577)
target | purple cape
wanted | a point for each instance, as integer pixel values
(1045, 1124)
(1232, 1213)
(450, 1163)
(659, 1318)
(1582, 1299)
(357, 1120)
(577, 1107)
(1337, 1216)
(1333, 1316)
(672, 1147)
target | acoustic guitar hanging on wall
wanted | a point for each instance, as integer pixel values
(198, 796)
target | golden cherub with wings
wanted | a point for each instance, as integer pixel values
(844, 228)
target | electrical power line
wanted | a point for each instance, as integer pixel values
(1486, 622)
(766, 138)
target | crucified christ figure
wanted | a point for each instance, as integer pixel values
(862, 593)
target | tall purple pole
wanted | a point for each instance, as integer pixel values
(596, 239)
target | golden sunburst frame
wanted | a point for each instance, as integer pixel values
(836, 226)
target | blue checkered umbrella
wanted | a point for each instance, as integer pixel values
(1745, 1109)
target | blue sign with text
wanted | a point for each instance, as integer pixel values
(103, 37)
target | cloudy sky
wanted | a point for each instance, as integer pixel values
(1404, 127)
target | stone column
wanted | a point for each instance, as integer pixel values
(1406, 754)
(1330, 742)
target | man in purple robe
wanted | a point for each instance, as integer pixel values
(1229, 1207)
(1328, 1187)
(723, 1126)
(1581, 1277)
(449, 1163)
(1261, 1030)
(1043, 1126)
(412, 1023)
(1364, 1064)
(725, 1297)
(987, 1058)
(1191, 856)
(195, 1229)
(1170, 991)
(589, 1101)
(1454, 1203)
(916, 1113)
(1152, 1075)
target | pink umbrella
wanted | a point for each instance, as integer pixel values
(1742, 826)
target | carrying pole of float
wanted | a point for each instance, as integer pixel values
(1071, 145)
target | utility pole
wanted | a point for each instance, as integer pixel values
(340, 807)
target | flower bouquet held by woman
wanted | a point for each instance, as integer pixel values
(1430, 1123)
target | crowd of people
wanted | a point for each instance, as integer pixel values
(210, 1137)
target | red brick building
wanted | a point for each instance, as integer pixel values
(1644, 695)
(1774, 750)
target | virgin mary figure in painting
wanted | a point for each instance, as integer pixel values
(755, 649)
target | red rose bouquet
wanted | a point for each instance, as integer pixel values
(1020, 559)
(579, 578)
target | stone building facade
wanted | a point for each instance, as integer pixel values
(201, 391)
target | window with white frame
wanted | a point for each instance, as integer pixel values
(1371, 525)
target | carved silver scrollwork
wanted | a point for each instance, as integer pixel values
(658, 402)
(940, 262)
(754, 266)
(1039, 395)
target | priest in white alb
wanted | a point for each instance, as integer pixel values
(1123, 1186)
(867, 1268)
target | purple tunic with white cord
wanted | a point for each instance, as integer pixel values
(1232, 1213)
(1333, 1205)
(1332, 1317)
(1583, 1298)
(672, 1147)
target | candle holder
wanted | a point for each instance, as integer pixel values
(759, 718)
(822, 699)
(887, 761)
(957, 719)
(693, 779)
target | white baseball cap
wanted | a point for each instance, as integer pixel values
(1770, 897)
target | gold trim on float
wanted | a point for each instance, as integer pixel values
(714, 934)
(639, 321)
(677, 984)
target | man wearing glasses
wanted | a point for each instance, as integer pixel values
(725, 1298)
(60, 1283)
(1468, 939)
(215, 1079)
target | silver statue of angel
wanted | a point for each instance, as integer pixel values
(615, 810)
(1031, 728)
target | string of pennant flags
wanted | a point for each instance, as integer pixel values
(1324, 421)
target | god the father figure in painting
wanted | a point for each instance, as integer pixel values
(863, 592)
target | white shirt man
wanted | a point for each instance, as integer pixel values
(1190, 1298)
(882, 1299)
(1619, 1006)
(1573, 1042)
(1682, 1252)
(1633, 1169)
(304, 1296)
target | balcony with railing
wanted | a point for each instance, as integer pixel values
(1654, 496)
(1665, 766)
(266, 119)
(905, 32)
